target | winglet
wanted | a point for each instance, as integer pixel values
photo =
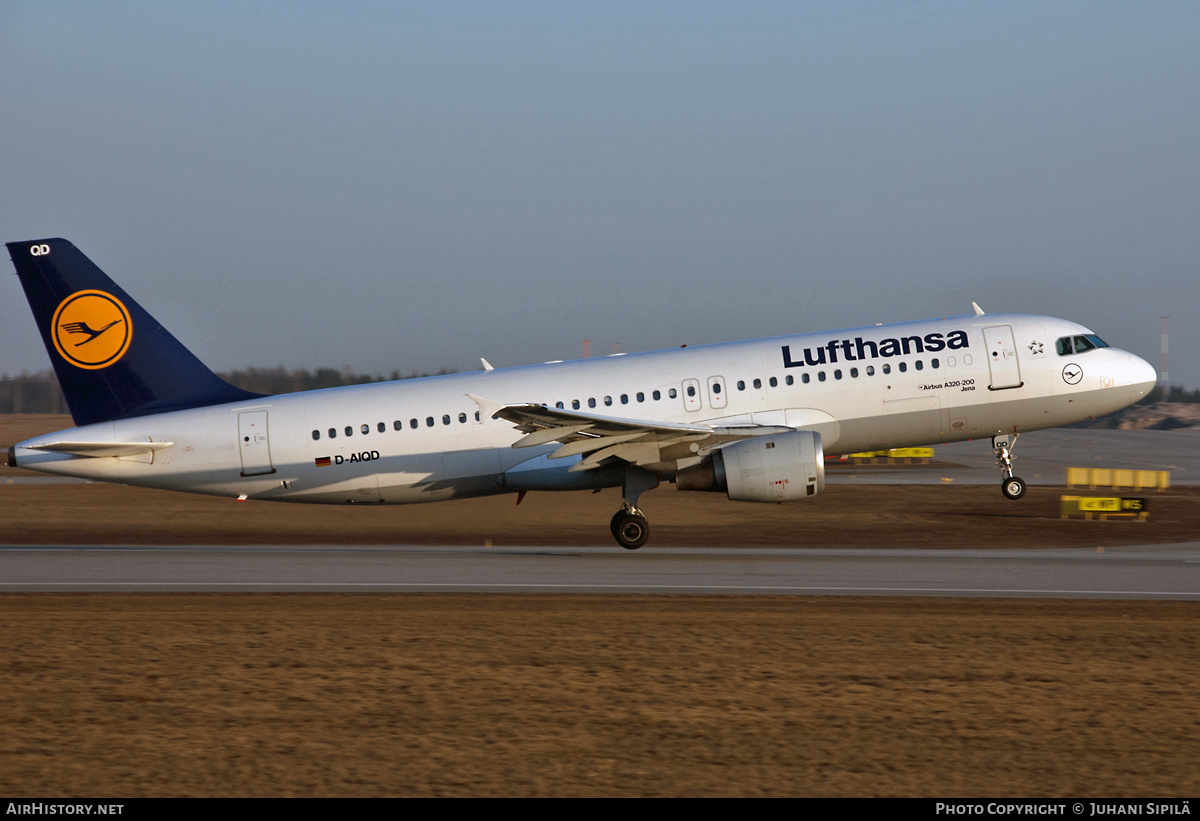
(978, 310)
(487, 366)
(487, 408)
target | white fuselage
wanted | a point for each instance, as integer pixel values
(419, 440)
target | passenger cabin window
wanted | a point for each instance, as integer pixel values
(333, 433)
(366, 429)
(349, 430)
(757, 384)
(316, 434)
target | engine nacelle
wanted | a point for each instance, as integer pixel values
(777, 468)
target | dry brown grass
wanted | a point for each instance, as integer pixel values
(135, 695)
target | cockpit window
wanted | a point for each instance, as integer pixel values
(1079, 344)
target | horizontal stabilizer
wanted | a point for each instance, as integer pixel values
(99, 449)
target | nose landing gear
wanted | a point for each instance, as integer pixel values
(1011, 486)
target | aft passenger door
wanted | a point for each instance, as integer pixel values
(254, 444)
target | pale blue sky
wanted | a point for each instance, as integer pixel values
(406, 187)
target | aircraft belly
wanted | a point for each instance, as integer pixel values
(394, 491)
(428, 477)
(1077, 407)
(349, 491)
(924, 421)
(918, 419)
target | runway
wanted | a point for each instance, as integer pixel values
(1157, 572)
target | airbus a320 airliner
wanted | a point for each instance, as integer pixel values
(750, 419)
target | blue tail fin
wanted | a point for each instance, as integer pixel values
(113, 360)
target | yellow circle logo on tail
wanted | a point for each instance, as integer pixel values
(91, 329)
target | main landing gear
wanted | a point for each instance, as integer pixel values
(1011, 486)
(629, 526)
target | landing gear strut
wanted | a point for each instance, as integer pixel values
(629, 526)
(1011, 486)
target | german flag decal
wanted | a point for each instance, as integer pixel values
(323, 461)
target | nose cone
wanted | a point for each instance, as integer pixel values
(1142, 377)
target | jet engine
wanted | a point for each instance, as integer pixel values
(777, 468)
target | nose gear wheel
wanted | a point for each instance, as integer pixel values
(1011, 486)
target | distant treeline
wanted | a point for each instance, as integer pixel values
(39, 392)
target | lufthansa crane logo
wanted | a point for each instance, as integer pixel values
(91, 329)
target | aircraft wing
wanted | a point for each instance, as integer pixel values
(597, 438)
